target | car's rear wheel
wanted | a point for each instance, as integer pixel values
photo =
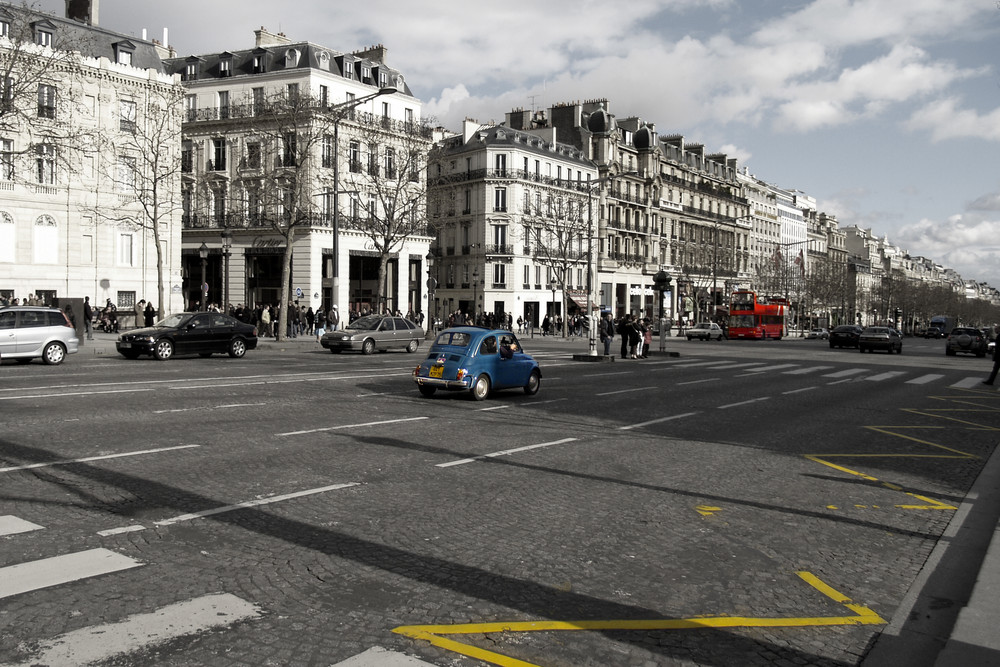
(481, 387)
(534, 382)
(426, 389)
(53, 354)
(237, 348)
(163, 349)
(412, 346)
(368, 347)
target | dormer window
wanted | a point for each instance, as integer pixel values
(260, 62)
(291, 58)
(44, 32)
(4, 28)
(366, 74)
(124, 52)
(191, 68)
(226, 67)
(324, 60)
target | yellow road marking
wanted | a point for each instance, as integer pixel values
(434, 633)
(707, 510)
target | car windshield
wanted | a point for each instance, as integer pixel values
(876, 330)
(366, 323)
(843, 329)
(453, 338)
(175, 320)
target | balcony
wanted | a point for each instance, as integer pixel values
(499, 250)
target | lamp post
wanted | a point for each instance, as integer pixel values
(431, 286)
(227, 244)
(475, 294)
(552, 315)
(203, 253)
(339, 109)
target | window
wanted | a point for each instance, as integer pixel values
(6, 159)
(292, 92)
(226, 67)
(259, 63)
(46, 101)
(125, 299)
(385, 109)
(354, 151)
(390, 163)
(499, 275)
(373, 159)
(500, 164)
(288, 156)
(191, 106)
(187, 156)
(7, 244)
(46, 240)
(124, 52)
(125, 178)
(4, 28)
(500, 200)
(253, 155)
(218, 154)
(327, 152)
(190, 71)
(219, 207)
(223, 104)
(126, 116)
(500, 235)
(125, 249)
(408, 114)
(43, 37)
(258, 101)
(324, 96)
(46, 164)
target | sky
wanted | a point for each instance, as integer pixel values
(887, 112)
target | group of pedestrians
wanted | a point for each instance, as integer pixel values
(635, 334)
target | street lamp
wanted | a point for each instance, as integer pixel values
(552, 315)
(431, 286)
(340, 108)
(227, 244)
(475, 294)
(203, 253)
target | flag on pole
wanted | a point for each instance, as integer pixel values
(801, 262)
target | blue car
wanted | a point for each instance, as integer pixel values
(479, 361)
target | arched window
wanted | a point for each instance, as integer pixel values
(46, 240)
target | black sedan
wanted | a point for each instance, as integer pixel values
(189, 333)
(880, 338)
(846, 335)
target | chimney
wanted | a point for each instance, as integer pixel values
(84, 11)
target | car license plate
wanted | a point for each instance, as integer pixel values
(124, 345)
(436, 372)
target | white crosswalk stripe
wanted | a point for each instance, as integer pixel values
(925, 379)
(32, 575)
(12, 525)
(970, 383)
(888, 375)
(846, 373)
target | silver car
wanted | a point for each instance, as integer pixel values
(374, 332)
(29, 332)
(705, 331)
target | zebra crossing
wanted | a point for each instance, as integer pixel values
(858, 374)
(139, 632)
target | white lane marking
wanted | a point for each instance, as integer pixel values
(534, 403)
(924, 379)
(343, 426)
(119, 531)
(210, 407)
(494, 407)
(36, 574)
(656, 421)
(740, 365)
(98, 643)
(694, 364)
(830, 384)
(75, 393)
(848, 373)
(377, 656)
(238, 378)
(292, 381)
(624, 391)
(505, 452)
(681, 384)
(771, 368)
(602, 375)
(95, 458)
(969, 383)
(797, 391)
(811, 369)
(253, 503)
(12, 525)
(752, 400)
(885, 376)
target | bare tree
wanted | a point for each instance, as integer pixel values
(386, 186)
(141, 156)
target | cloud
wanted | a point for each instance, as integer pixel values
(968, 243)
(945, 120)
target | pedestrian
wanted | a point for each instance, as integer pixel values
(320, 323)
(607, 333)
(996, 364)
(150, 313)
(623, 328)
(648, 337)
(88, 318)
(265, 320)
(633, 337)
(140, 309)
(333, 318)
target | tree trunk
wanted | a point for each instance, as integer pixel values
(286, 288)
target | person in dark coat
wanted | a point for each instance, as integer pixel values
(996, 364)
(150, 314)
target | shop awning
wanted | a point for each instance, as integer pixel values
(579, 297)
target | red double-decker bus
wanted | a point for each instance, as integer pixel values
(751, 316)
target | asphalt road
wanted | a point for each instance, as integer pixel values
(738, 503)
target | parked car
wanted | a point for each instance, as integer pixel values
(479, 361)
(818, 334)
(189, 333)
(880, 338)
(374, 332)
(966, 339)
(704, 331)
(36, 332)
(933, 332)
(846, 335)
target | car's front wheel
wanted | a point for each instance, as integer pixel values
(237, 348)
(368, 347)
(53, 354)
(534, 382)
(163, 349)
(481, 388)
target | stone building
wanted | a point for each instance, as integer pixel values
(72, 220)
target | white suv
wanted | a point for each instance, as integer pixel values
(27, 332)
